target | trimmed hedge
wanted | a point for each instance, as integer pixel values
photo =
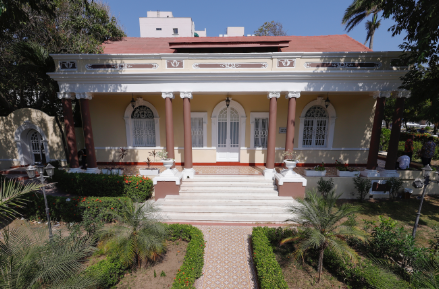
(108, 272)
(81, 184)
(69, 209)
(194, 260)
(269, 272)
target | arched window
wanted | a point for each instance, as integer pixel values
(142, 124)
(36, 147)
(315, 127)
(143, 127)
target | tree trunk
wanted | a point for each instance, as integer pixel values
(435, 128)
(372, 33)
(387, 124)
(63, 137)
(322, 250)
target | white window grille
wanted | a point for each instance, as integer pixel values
(222, 128)
(143, 127)
(37, 147)
(234, 128)
(228, 126)
(197, 130)
(315, 127)
(261, 132)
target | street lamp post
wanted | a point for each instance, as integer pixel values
(50, 171)
(426, 171)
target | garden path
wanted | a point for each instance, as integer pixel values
(227, 259)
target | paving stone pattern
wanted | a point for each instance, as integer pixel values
(227, 260)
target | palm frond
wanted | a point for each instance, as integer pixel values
(11, 193)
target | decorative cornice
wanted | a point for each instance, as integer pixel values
(168, 94)
(291, 94)
(186, 94)
(66, 95)
(272, 94)
(380, 94)
(233, 65)
(84, 95)
(403, 93)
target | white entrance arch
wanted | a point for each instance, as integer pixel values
(232, 138)
(24, 147)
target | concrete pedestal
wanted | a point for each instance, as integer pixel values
(167, 183)
(290, 185)
(269, 173)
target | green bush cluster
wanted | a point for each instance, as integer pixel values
(422, 137)
(135, 187)
(69, 209)
(108, 272)
(417, 146)
(194, 260)
(268, 270)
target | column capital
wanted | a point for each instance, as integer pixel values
(168, 94)
(84, 95)
(186, 94)
(291, 94)
(384, 93)
(66, 95)
(272, 94)
(403, 93)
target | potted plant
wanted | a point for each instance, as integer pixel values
(290, 162)
(317, 171)
(344, 171)
(150, 171)
(167, 162)
(112, 170)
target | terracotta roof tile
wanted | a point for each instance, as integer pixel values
(147, 45)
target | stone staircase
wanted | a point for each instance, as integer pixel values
(226, 198)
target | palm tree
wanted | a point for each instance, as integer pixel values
(11, 193)
(321, 229)
(28, 260)
(357, 12)
(136, 237)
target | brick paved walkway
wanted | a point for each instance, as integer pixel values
(227, 259)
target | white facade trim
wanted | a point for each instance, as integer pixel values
(331, 125)
(204, 116)
(129, 126)
(254, 115)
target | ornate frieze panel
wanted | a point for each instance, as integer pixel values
(342, 64)
(140, 66)
(231, 65)
(174, 63)
(286, 63)
(104, 66)
(67, 65)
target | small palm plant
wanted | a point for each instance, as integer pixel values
(11, 193)
(136, 237)
(321, 229)
(29, 260)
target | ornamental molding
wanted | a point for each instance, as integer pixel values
(84, 95)
(139, 66)
(67, 65)
(292, 94)
(174, 63)
(104, 66)
(168, 94)
(272, 94)
(231, 65)
(403, 93)
(286, 63)
(186, 94)
(342, 64)
(66, 95)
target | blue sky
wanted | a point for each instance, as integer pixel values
(299, 17)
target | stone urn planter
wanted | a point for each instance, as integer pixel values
(168, 163)
(314, 173)
(348, 173)
(290, 164)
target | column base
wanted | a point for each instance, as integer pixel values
(370, 173)
(269, 173)
(93, 171)
(168, 176)
(389, 174)
(188, 173)
(75, 170)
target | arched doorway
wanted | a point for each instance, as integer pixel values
(228, 131)
(31, 144)
(36, 147)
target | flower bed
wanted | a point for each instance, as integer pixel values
(134, 187)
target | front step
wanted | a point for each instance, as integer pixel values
(225, 217)
(228, 184)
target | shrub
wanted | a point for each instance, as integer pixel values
(384, 139)
(268, 270)
(362, 185)
(70, 209)
(324, 187)
(107, 272)
(394, 185)
(137, 188)
(194, 260)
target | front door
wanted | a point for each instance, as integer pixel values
(227, 149)
(37, 148)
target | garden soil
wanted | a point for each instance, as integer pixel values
(169, 264)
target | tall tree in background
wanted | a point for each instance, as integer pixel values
(271, 29)
(357, 12)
